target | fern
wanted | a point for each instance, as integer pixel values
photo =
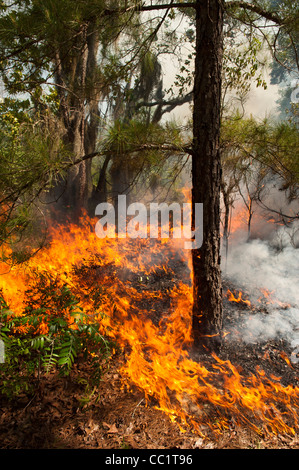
(50, 360)
(30, 353)
(67, 354)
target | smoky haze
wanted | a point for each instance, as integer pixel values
(267, 268)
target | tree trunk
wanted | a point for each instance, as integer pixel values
(206, 173)
(227, 209)
(100, 192)
(92, 120)
(79, 93)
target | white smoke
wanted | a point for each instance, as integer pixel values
(256, 265)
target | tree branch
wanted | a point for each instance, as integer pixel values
(170, 103)
(142, 7)
(271, 16)
(279, 212)
(144, 148)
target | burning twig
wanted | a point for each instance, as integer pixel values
(240, 300)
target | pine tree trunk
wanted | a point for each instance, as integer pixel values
(206, 173)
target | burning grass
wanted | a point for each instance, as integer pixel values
(139, 294)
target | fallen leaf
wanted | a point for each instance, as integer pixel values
(111, 428)
(129, 429)
(91, 427)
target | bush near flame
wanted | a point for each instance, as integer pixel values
(50, 333)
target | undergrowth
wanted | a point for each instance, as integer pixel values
(50, 334)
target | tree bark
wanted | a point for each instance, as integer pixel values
(100, 192)
(79, 93)
(92, 120)
(206, 173)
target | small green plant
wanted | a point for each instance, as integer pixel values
(50, 335)
(90, 392)
(125, 445)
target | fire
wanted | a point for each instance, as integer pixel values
(239, 220)
(157, 352)
(269, 298)
(232, 298)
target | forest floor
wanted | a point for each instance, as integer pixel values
(65, 414)
(113, 418)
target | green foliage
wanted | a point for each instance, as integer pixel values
(33, 156)
(65, 60)
(70, 60)
(140, 149)
(241, 64)
(125, 137)
(273, 145)
(51, 334)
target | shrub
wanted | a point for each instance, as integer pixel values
(50, 334)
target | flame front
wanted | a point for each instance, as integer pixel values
(158, 361)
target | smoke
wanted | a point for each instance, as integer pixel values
(270, 277)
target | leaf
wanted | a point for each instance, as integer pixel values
(63, 360)
(112, 429)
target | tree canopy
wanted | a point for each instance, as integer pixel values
(85, 107)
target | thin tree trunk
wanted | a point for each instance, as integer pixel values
(227, 206)
(206, 173)
(250, 214)
(100, 193)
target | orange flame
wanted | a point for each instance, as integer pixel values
(158, 361)
(232, 298)
(270, 299)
